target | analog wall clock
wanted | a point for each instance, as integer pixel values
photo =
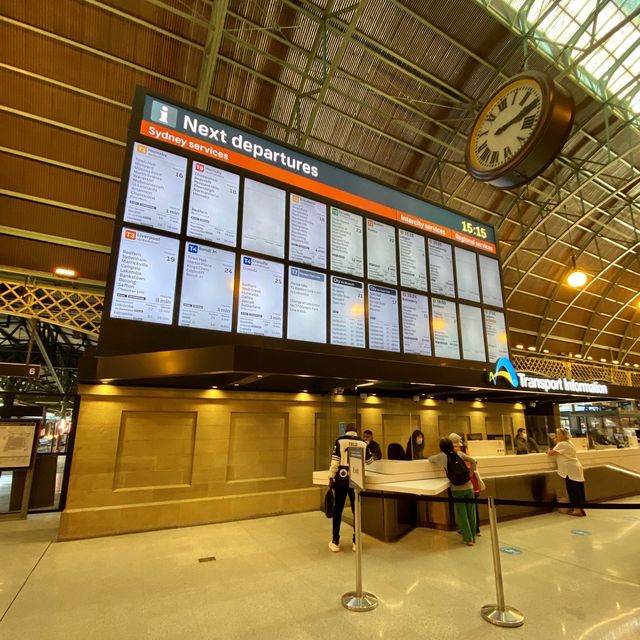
(520, 130)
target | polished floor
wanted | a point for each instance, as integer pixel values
(275, 579)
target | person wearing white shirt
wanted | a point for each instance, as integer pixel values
(570, 469)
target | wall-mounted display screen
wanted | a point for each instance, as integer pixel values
(381, 252)
(413, 260)
(441, 268)
(145, 282)
(227, 238)
(263, 219)
(445, 329)
(491, 284)
(472, 333)
(467, 275)
(261, 295)
(213, 204)
(384, 333)
(496, 334)
(308, 231)
(346, 242)
(155, 192)
(415, 324)
(307, 305)
(206, 299)
(347, 312)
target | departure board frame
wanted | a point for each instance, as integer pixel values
(315, 179)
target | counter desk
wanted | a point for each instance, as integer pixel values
(390, 507)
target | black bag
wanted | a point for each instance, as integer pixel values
(329, 503)
(457, 471)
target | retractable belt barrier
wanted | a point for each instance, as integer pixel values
(499, 614)
(498, 501)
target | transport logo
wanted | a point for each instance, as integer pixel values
(164, 114)
(199, 167)
(246, 260)
(130, 234)
(193, 248)
(504, 369)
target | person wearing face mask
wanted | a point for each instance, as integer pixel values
(415, 446)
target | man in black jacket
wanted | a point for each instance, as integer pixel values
(339, 479)
(374, 447)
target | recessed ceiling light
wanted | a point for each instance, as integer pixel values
(65, 272)
(615, 361)
(259, 375)
(214, 386)
(578, 355)
(589, 358)
(603, 359)
(531, 348)
(237, 384)
(545, 351)
(636, 365)
(519, 346)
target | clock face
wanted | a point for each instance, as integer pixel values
(506, 124)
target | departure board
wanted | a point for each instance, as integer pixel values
(445, 329)
(261, 296)
(496, 334)
(213, 204)
(467, 275)
(381, 252)
(415, 324)
(308, 231)
(384, 331)
(441, 268)
(472, 333)
(223, 237)
(413, 260)
(206, 300)
(347, 312)
(155, 191)
(346, 242)
(490, 278)
(145, 281)
(307, 305)
(264, 219)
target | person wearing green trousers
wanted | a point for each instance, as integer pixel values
(465, 512)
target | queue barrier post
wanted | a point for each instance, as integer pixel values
(499, 614)
(358, 600)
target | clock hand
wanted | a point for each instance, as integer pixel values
(523, 112)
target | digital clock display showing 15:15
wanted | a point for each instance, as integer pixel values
(474, 229)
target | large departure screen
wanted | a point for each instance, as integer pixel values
(145, 281)
(226, 238)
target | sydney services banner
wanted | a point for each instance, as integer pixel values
(176, 125)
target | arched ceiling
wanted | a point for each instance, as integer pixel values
(386, 87)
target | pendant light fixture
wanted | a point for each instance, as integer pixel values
(576, 278)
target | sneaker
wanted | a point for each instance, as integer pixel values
(353, 546)
(469, 544)
(333, 546)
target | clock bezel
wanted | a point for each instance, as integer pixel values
(544, 143)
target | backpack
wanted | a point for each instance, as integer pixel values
(457, 471)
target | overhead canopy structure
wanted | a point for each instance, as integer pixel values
(387, 88)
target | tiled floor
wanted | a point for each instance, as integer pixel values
(275, 578)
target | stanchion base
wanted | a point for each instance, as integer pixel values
(508, 617)
(363, 602)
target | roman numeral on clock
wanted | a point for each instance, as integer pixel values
(528, 122)
(502, 104)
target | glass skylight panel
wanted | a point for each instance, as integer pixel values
(558, 22)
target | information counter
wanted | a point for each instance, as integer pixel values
(391, 506)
